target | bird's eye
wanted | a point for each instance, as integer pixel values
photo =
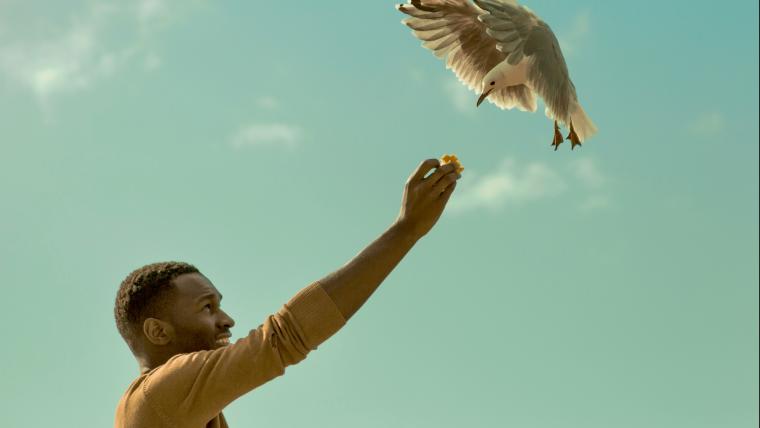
(493, 83)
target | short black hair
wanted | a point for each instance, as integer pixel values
(143, 294)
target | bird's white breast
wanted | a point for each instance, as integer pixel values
(512, 75)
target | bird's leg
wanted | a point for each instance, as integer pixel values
(557, 137)
(418, 5)
(573, 137)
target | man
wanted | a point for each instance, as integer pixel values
(170, 316)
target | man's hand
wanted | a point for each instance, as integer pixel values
(425, 198)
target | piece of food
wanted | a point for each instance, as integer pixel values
(452, 159)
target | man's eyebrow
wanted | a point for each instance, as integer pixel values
(209, 295)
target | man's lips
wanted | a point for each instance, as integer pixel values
(223, 339)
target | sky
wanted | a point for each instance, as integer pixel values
(615, 285)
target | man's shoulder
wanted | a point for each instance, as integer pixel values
(133, 405)
(135, 386)
(151, 400)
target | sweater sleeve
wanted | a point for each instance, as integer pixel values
(190, 389)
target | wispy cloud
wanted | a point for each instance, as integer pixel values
(594, 202)
(267, 103)
(572, 38)
(708, 124)
(591, 184)
(70, 61)
(152, 61)
(513, 184)
(461, 98)
(587, 172)
(510, 184)
(267, 134)
(149, 12)
(87, 50)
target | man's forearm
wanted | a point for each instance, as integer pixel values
(351, 285)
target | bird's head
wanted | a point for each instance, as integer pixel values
(491, 82)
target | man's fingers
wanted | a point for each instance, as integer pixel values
(440, 173)
(423, 169)
(446, 181)
(447, 193)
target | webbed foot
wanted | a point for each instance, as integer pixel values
(573, 137)
(557, 137)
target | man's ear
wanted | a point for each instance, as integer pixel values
(158, 332)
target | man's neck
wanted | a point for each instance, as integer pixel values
(146, 366)
(150, 362)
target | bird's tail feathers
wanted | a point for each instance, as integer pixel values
(582, 124)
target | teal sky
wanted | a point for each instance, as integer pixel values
(268, 143)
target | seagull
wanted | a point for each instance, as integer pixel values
(504, 52)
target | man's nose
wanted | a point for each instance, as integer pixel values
(227, 322)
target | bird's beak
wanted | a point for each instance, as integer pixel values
(483, 96)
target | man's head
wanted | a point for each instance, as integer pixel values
(169, 308)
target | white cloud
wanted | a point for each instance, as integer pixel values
(152, 61)
(461, 98)
(68, 62)
(149, 11)
(594, 202)
(586, 171)
(267, 103)
(571, 40)
(708, 124)
(592, 182)
(512, 185)
(87, 50)
(266, 134)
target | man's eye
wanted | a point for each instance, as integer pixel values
(208, 305)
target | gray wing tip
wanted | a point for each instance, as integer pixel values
(406, 8)
(418, 10)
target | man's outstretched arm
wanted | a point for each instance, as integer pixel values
(192, 388)
(422, 204)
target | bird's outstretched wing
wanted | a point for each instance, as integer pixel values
(452, 30)
(520, 33)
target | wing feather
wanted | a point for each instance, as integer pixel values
(472, 40)
(425, 25)
(548, 74)
(509, 24)
(458, 37)
(520, 33)
(519, 96)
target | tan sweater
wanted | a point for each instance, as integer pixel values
(190, 390)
